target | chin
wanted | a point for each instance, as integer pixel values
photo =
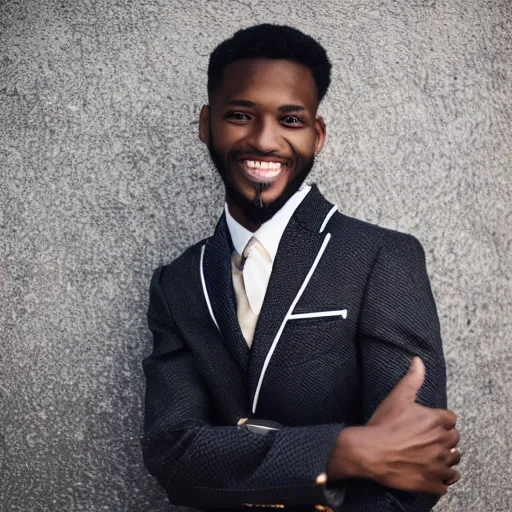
(271, 196)
(270, 193)
(268, 196)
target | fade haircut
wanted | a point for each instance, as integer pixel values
(272, 42)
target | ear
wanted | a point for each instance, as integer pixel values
(204, 129)
(320, 133)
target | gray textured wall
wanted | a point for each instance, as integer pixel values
(103, 177)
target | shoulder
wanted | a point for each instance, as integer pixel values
(180, 266)
(357, 232)
(390, 256)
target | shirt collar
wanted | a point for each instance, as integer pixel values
(269, 233)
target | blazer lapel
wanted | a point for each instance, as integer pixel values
(219, 286)
(300, 245)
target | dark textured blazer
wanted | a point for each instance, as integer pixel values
(348, 305)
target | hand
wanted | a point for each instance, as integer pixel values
(404, 445)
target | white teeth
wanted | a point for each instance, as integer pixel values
(264, 169)
(256, 164)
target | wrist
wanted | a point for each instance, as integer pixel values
(351, 454)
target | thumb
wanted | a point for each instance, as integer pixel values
(412, 381)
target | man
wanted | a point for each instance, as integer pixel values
(278, 376)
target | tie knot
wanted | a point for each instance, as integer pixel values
(252, 249)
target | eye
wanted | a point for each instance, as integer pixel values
(233, 114)
(293, 117)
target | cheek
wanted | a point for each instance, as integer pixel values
(227, 136)
(304, 144)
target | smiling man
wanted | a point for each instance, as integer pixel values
(283, 372)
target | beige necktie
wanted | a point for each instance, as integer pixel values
(251, 273)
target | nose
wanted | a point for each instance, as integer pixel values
(265, 136)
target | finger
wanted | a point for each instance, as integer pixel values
(409, 385)
(455, 478)
(453, 457)
(447, 418)
(452, 438)
(441, 472)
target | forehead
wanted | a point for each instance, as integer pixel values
(269, 82)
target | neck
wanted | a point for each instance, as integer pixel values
(241, 217)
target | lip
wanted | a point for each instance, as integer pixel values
(257, 175)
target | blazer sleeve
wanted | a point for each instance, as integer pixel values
(398, 321)
(204, 465)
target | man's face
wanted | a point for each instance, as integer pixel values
(262, 132)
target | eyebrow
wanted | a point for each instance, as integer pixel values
(251, 104)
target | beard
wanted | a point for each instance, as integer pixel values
(257, 210)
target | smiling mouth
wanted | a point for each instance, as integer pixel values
(262, 172)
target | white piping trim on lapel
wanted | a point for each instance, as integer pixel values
(317, 314)
(205, 291)
(327, 217)
(286, 318)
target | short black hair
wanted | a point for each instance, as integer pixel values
(272, 42)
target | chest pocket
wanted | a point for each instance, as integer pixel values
(309, 336)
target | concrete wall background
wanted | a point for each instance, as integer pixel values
(103, 177)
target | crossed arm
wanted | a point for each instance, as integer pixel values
(207, 466)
